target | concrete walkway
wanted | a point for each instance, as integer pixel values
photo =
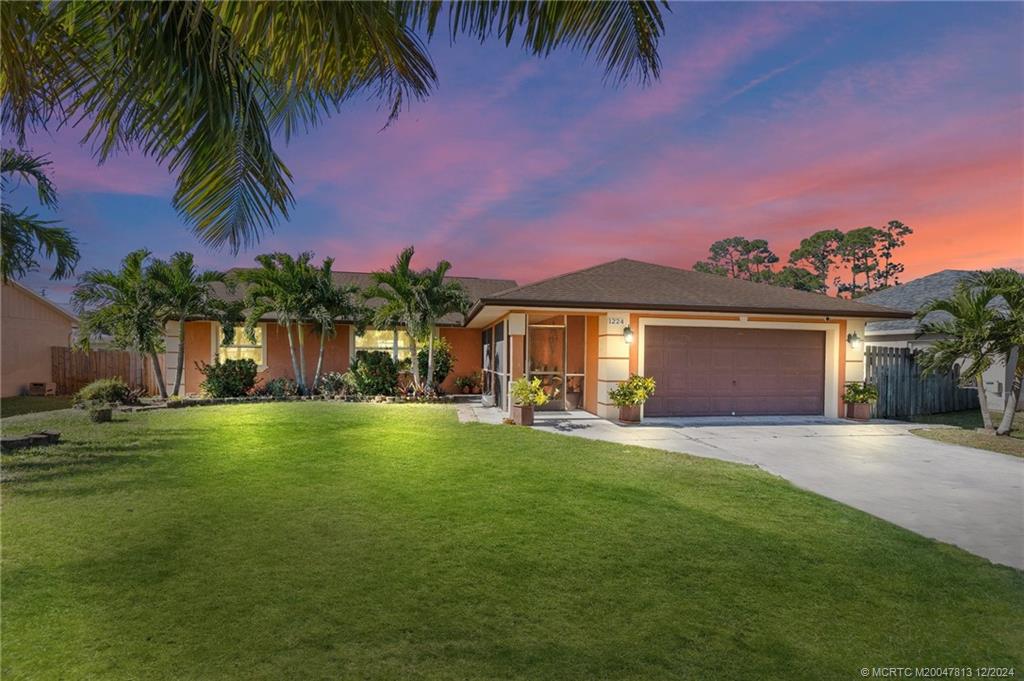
(960, 495)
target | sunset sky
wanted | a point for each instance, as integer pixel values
(770, 120)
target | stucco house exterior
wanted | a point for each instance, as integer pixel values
(715, 346)
(905, 333)
(29, 326)
(270, 351)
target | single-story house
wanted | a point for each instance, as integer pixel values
(906, 333)
(29, 326)
(715, 346)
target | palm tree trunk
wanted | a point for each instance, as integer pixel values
(181, 356)
(986, 416)
(319, 360)
(161, 386)
(302, 358)
(430, 361)
(415, 362)
(1013, 394)
(291, 351)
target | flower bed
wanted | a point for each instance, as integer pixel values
(209, 401)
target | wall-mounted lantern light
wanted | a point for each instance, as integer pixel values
(627, 335)
(854, 340)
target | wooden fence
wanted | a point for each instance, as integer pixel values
(903, 391)
(73, 369)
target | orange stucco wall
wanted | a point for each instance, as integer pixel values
(278, 359)
(198, 346)
(465, 344)
(29, 328)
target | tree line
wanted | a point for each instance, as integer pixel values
(134, 305)
(856, 262)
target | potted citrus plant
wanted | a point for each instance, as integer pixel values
(630, 395)
(858, 398)
(526, 394)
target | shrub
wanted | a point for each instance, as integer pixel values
(528, 393)
(233, 378)
(443, 360)
(107, 391)
(860, 393)
(632, 392)
(333, 383)
(277, 387)
(374, 373)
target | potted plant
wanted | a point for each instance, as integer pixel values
(100, 411)
(526, 394)
(464, 384)
(859, 397)
(630, 396)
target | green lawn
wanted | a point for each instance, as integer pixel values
(967, 423)
(334, 541)
(16, 406)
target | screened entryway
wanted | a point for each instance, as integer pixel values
(556, 350)
(495, 365)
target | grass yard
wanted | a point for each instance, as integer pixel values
(16, 406)
(967, 423)
(332, 541)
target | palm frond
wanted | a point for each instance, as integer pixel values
(24, 235)
(622, 35)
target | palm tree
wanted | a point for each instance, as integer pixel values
(399, 287)
(438, 297)
(1007, 332)
(203, 86)
(330, 302)
(23, 235)
(282, 285)
(966, 338)
(124, 305)
(185, 292)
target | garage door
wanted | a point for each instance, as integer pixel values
(702, 371)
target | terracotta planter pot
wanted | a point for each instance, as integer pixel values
(860, 411)
(522, 414)
(630, 414)
(100, 415)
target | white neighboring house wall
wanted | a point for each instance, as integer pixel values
(998, 377)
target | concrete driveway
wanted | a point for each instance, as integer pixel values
(967, 497)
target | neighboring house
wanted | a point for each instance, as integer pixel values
(270, 349)
(905, 333)
(29, 326)
(714, 345)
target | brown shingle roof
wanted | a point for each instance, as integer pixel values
(476, 288)
(631, 284)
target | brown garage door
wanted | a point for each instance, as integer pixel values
(703, 371)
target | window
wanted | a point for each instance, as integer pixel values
(242, 347)
(397, 343)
